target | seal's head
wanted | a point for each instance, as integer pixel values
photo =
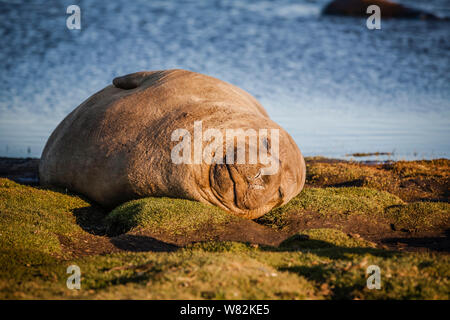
(251, 190)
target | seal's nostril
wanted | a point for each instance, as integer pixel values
(280, 193)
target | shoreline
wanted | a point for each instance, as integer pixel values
(21, 170)
(26, 170)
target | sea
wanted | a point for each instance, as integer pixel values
(337, 87)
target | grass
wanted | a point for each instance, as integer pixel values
(40, 231)
(314, 272)
(323, 238)
(333, 201)
(439, 168)
(173, 216)
(32, 219)
(419, 215)
(409, 180)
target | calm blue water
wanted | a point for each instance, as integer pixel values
(334, 85)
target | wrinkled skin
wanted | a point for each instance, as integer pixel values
(116, 146)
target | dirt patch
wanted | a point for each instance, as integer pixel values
(142, 240)
(426, 180)
(240, 231)
(379, 231)
(86, 245)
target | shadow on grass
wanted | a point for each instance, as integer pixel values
(139, 273)
(441, 244)
(302, 243)
(352, 183)
(345, 283)
(91, 219)
(138, 243)
(322, 275)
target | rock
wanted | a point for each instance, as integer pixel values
(117, 145)
(388, 9)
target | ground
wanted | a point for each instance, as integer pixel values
(349, 216)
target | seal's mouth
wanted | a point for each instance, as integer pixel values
(243, 188)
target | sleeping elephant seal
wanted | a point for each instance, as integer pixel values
(178, 134)
(388, 9)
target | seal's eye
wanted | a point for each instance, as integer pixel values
(256, 176)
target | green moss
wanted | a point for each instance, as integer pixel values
(333, 201)
(345, 200)
(166, 215)
(203, 275)
(31, 219)
(180, 275)
(220, 246)
(331, 272)
(419, 216)
(340, 272)
(316, 263)
(323, 238)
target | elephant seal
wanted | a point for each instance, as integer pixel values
(178, 134)
(388, 9)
